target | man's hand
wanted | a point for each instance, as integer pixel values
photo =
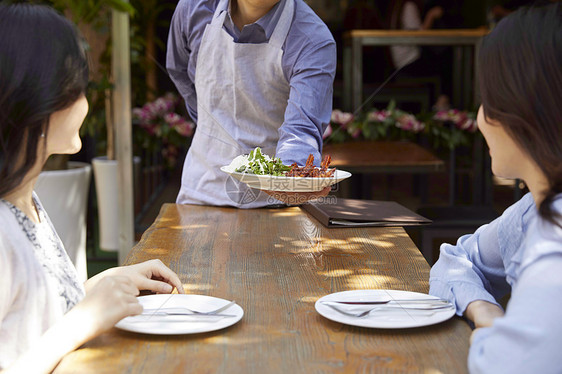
(298, 198)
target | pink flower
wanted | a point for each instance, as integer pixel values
(184, 128)
(356, 133)
(172, 118)
(161, 106)
(341, 118)
(409, 123)
(442, 115)
(452, 115)
(143, 115)
(151, 129)
(151, 109)
(461, 120)
(137, 112)
(378, 115)
(468, 124)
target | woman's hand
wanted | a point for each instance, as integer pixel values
(436, 12)
(483, 313)
(111, 299)
(150, 275)
(431, 16)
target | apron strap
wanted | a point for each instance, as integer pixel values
(279, 35)
(223, 5)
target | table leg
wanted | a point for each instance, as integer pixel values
(367, 187)
(343, 189)
(357, 73)
(452, 176)
(347, 77)
(478, 170)
(357, 186)
(457, 76)
(389, 182)
(476, 93)
(488, 184)
(467, 102)
(421, 181)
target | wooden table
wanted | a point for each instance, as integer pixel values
(383, 157)
(462, 41)
(276, 263)
(390, 157)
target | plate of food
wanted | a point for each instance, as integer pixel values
(260, 171)
(179, 314)
(384, 309)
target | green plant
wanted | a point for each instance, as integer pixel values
(145, 45)
(90, 11)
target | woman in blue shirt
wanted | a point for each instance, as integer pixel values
(520, 77)
(252, 73)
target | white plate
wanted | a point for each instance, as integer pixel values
(389, 319)
(173, 325)
(287, 184)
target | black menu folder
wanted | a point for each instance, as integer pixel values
(362, 213)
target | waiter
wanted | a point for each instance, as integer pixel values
(252, 73)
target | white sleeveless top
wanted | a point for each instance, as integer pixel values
(38, 282)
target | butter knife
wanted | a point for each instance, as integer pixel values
(393, 301)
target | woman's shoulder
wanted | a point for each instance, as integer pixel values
(12, 237)
(544, 237)
(8, 219)
(518, 215)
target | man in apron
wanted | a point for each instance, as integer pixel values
(253, 73)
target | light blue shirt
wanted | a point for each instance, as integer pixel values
(518, 252)
(308, 62)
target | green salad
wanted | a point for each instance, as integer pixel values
(258, 163)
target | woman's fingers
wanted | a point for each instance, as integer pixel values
(134, 308)
(128, 287)
(155, 285)
(159, 271)
(151, 275)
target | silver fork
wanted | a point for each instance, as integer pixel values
(417, 310)
(182, 309)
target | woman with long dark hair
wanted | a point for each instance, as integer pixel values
(44, 310)
(520, 75)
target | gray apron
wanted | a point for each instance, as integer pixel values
(242, 95)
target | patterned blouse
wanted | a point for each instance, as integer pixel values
(50, 253)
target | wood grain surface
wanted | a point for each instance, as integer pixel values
(452, 33)
(276, 263)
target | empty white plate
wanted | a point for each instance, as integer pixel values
(177, 324)
(382, 318)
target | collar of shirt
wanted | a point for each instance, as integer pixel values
(257, 32)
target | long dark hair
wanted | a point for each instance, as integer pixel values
(520, 78)
(43, 69)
